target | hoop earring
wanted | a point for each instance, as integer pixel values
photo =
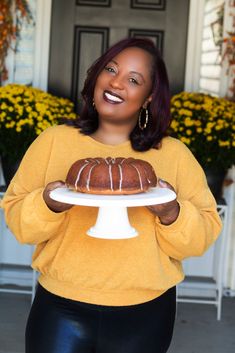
(93, 104)
(142, 127)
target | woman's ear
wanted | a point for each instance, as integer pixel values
(147, 101)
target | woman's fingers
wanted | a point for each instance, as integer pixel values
(55, 184)
(167, 212)
(164, 184)
(53, 205)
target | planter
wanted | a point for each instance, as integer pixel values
(215, 180)
(9, 169)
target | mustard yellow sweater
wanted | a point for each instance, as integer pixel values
(109, 272)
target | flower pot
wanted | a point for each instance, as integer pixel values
(9, 169)
(215, 181)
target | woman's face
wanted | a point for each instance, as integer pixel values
(124, 86)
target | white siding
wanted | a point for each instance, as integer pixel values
(212, 71)
(210, 67)
(209, 85)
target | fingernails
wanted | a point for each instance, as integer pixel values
(162, 182)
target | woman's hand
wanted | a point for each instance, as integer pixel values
(167, 212)
(53, 205)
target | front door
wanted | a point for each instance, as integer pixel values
(82, 30)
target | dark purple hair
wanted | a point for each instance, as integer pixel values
(159, 108)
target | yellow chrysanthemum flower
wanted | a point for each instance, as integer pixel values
(188, 122)
(177, 104)
(27, 111)
(206, 124)
(185, 140)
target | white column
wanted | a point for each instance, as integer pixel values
(42, 43)
(194, 42)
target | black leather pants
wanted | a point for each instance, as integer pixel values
(58, 325)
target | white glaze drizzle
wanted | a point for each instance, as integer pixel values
(79, 174)
(89, 176)
(120, 181)
(110, 176)
(141, 185)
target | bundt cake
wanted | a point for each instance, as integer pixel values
(111, 176)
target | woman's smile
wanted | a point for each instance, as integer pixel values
(113, 98)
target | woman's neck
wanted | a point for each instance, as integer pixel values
(112, 135)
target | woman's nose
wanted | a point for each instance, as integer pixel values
(116, 82)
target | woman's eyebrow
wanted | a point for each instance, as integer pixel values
(131, 72)
(113, 61)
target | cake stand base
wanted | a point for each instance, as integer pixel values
(112, 223)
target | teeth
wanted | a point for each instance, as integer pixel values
(113, 98)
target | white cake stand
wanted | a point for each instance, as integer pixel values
(112, 220)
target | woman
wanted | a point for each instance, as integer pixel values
(111, 296)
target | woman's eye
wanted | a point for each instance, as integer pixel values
(133, 80)
(109, 69)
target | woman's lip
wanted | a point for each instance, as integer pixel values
(112, 98)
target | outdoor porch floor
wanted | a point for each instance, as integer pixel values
(196, 329)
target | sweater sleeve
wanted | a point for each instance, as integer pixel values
(26, 213)
(198, 224)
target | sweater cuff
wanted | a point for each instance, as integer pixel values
(44, 213)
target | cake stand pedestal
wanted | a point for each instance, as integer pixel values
(112, 221)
